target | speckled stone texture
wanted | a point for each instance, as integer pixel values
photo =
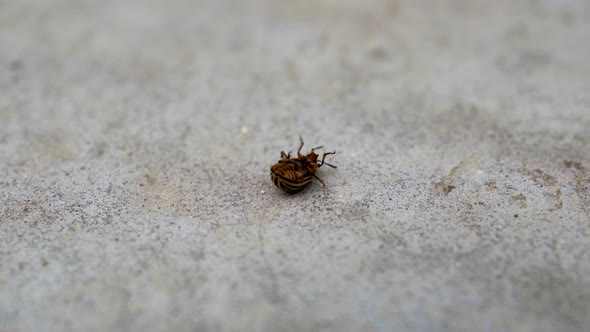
(136, 139)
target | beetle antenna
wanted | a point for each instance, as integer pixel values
(325, 163)
(319, 147)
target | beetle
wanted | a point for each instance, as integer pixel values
(293, 174)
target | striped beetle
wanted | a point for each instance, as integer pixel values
(293, 174)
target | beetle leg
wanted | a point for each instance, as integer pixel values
(285, 156)
(321, 181)
(324, 157)
(316, 148)
(329, 165)
(300, 146)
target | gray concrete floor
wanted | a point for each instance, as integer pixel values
(136, 139)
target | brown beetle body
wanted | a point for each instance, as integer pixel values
(293, 174)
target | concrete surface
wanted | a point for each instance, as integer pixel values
(136, 139)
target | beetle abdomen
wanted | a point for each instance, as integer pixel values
(286, 178)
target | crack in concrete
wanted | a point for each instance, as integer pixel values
(274, 286)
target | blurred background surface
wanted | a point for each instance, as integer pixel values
(136, 139)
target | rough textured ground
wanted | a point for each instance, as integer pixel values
(136, 139)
